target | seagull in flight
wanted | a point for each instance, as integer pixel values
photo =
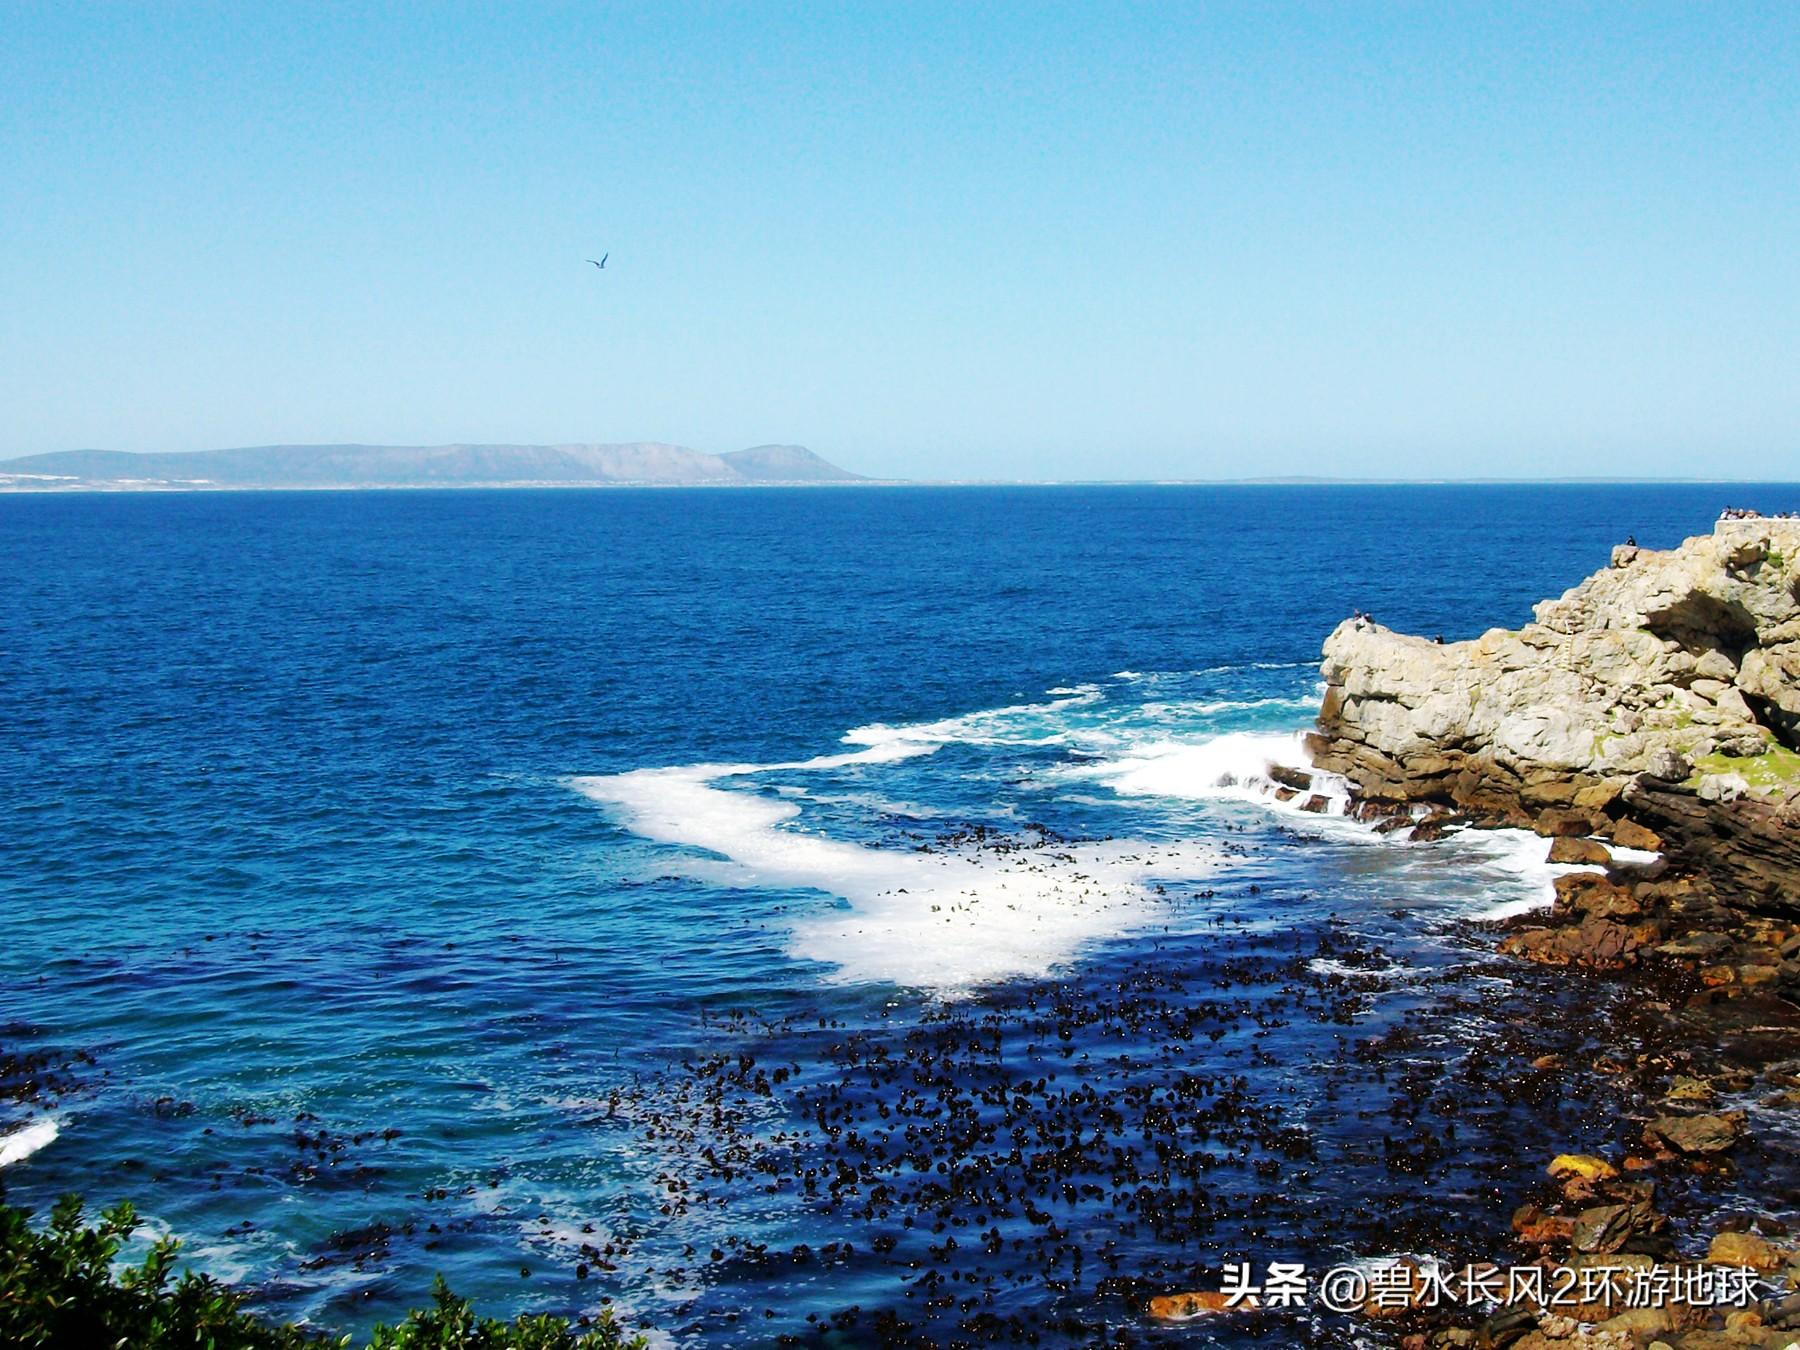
(602, 263)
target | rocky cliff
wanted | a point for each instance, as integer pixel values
(1657, 704)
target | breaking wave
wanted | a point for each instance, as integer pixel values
(21, 1143)
(975, 910)
(946, 919)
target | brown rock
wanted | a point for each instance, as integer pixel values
(1746, 1249)
(1630, 834)
(1597, 796)
(1588, 893)
(1584, 1165)
(1697, 1134)
(1605, 1228)
(1395, 1301)
(1640, 1323)
(1599, 944)
(1571, 849)
(1198, 1303)
(1507, 1327)
(1556, 821)
(1700, 946)
(1538, 1229)
(1298, 779)
(1749, 847)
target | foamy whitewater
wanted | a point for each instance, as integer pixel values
(943, 920)
(20, 1144)
(959, 916)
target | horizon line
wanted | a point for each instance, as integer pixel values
(32, 484)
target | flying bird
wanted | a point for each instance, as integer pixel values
(602, 263)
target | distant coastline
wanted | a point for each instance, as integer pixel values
(11, 486)
(325, 467)
(636, 464)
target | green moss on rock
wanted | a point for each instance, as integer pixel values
(1778, 767)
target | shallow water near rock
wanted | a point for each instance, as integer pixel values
(757, 906)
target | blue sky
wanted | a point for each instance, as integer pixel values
(1006, 241)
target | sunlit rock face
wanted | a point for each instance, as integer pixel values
(1662, 693)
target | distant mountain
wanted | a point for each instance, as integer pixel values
(786, 464)
(321, 466)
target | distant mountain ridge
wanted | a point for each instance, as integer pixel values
(319, 466)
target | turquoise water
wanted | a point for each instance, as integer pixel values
(438, 881)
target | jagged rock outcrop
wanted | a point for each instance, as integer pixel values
(1657, 703)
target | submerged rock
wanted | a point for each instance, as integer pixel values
(1198, 1303)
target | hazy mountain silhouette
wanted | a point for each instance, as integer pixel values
(786, 464)
(271, 466)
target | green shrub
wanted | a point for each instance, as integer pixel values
(64, 1286)
(449, 1324)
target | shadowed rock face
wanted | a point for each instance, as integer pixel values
(1662, 692)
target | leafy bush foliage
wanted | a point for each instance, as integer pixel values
(65, 1286)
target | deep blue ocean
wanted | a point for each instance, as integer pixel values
(854, 915)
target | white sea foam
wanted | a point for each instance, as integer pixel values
(1234, 766)
(1525, 855)
(954, 918)
(1521, 858)
(1214, 706)
(1016, 724)
(20, 1144)
(1326, 965)
(1512, 863)
(946, 920)
(1081, 719)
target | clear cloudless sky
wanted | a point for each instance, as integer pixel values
(994, 240)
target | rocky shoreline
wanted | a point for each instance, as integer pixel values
(1656, 704)
(1647, 722)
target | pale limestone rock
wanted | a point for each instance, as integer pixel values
(1723, 787)
(1648, 667)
